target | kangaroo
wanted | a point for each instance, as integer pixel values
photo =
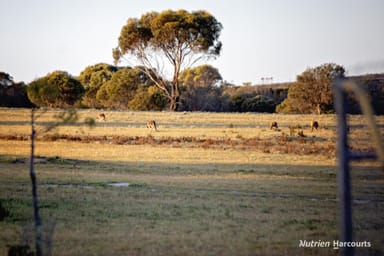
(101, 117)
(151, 124)
(314, 125)
(274, 125)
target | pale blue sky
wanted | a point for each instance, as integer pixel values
(271, 38)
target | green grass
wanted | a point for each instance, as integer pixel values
(206, 209)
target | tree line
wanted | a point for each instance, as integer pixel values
(172, 42)
(201, 89)
(110, 87)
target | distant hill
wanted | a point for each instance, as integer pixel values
(372, 78)
(360, 79)
(372, 83)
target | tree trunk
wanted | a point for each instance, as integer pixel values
(174, 103)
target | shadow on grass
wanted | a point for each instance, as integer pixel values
(183, 208)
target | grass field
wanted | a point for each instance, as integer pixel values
(204, 184)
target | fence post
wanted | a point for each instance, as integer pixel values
(343, 177)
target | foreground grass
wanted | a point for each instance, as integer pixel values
(188, 209)
(184, 200)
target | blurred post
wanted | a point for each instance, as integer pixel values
(32, 173)
(343, 177)
(341, 88)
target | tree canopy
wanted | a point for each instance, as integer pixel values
(92, 78)
(148, 98)
(13, 94)
(312, 92)
(57, 89)
(129, 88)
(179, 38)
(5, 79)
(203, 76)
(200, 89)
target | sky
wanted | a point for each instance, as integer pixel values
(276, 39)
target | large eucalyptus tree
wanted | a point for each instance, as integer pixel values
(165, 43)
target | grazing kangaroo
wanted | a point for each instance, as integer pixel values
(101, 117)
(274, 125)
(151, 124)
(314, 125)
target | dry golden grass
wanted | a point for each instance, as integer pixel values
(246, 131)
(147, 153)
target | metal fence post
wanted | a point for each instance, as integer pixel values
(343, 179)
(341, 88)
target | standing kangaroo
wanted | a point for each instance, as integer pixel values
(101, 117)
(151, 124)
